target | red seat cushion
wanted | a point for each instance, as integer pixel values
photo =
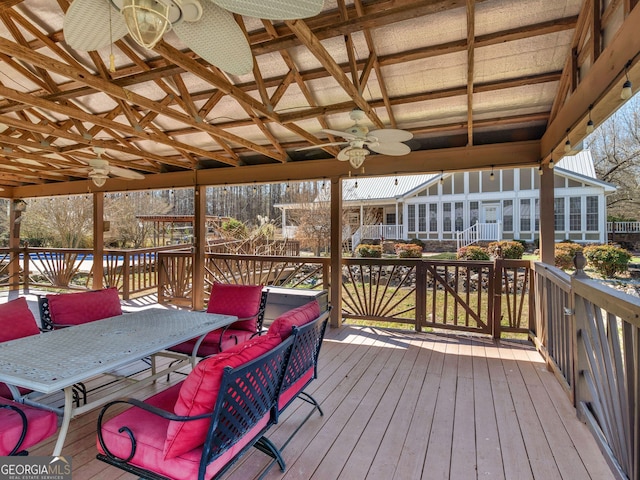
(78, 308)
(211, 343)
(243, 301)
(284, 324)
(16, 320)
(150, 432)
(199, 392)
(41, 424)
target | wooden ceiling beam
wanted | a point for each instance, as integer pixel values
(307, 37)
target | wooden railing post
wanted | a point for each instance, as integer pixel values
(496, 314)
(25, 269)
(421, 295)
(126, 271)
(577, 314)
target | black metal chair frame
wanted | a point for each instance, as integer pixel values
(247, 393)
(16, 450)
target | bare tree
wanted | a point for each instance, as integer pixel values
(126, 230)
(615, 146)
(59, 221)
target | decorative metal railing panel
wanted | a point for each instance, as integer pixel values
(515, 296)
(292, 272)
(608, 386)
(379, 290)
(59, 267)
(175, 275)
(459, 295)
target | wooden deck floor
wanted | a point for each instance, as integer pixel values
(409, 406)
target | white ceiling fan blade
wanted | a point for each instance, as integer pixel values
(124, 173)
(92, 24)
(391, 135)
(342, 154)
(338, 133)
(395, 149)
(273, 9)
(319, 146)
(218, 39)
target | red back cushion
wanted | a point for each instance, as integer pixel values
(199, 392)
(77, 308)
(284, 324)
(16, 320)
(243, 301)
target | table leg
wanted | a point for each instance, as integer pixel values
(66, 420)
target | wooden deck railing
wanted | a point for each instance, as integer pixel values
(482, 297)
(590, 335)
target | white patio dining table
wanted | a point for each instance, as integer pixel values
(57, 360)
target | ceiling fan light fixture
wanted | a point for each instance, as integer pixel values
(98, 178)
(356, 156)
(147, 21)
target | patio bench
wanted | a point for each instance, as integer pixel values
(201, 426)
(67, 309)
(22, 426)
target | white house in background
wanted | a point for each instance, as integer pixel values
(470, 206)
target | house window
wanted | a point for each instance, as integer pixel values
(447, 185)
(458, 183)
(507, 215)
(525, 179)
(411, 218)
(446, 217)
(525, 215)
(575, 214)
(391, 219)
(422, 217)
(592, 214)
(558, 210)
(459, 216)
(433, 217)
(473, 212)
(537, 214)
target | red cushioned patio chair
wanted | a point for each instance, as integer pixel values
(22, 426)
(247, 302)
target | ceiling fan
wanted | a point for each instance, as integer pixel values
(207, 27)
(385, 141)
(100, 170)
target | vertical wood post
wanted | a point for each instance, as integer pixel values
(14, 245)
(199, 245)
(496, 314)
(421, 295)
(335, 287)
(547, 214)
(98, 240)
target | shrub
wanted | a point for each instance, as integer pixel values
(408, 250)
(366, 250)
(473, 252)
(506, 249)
(234, 228)
(564, 253)
(417, 241)
(607, 260)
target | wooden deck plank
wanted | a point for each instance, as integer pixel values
(406, 405)
(390, 451)
(368, 445)
(539, 452)
(488, 453)
(438, 459)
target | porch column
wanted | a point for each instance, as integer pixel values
(199, 245)
(98, 240)
(547, 224)
(335, 289)
(15, 215)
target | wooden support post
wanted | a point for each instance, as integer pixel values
(98, 241)
(15, 216)
(335, 287)
(199, 245)
(547, 217)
